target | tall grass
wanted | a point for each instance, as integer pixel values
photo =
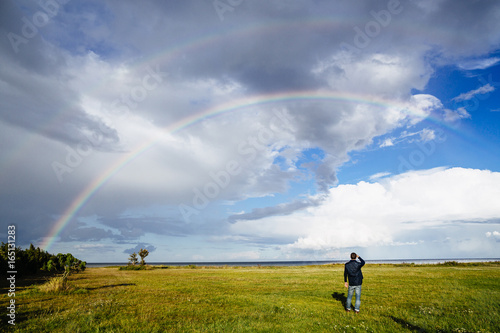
(56, 284)
(434, 298)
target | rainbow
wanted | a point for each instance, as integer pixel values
(197, 45)
(231, 106)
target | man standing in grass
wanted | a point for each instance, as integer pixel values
(352, 271)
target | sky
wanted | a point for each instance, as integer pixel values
(238, 130)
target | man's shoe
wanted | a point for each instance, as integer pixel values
(356, 311)
(347, 310)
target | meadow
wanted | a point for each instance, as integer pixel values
(395, 298)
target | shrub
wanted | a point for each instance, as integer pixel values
(132, 268)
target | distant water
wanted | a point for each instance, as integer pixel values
(294, 263)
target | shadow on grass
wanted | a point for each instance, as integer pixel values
(112, 286)
(407, 325)
(23, 282)
(341, 297)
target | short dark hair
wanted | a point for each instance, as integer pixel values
(353, 255)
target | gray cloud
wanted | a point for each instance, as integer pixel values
(281, 209)
(37, 96)
(140, 246)
(134, 227)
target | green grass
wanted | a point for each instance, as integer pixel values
(395, 298)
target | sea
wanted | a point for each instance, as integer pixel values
(294, 263)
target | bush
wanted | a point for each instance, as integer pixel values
(133, 268)
(405, 264)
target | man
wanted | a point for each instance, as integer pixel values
(352, 271)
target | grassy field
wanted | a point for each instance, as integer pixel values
(395, 298)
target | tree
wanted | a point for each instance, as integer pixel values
(33, 260)
(143, 253)
(51, 266)
(132, 260)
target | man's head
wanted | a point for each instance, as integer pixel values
(354, 255)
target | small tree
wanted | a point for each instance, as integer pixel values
(51, 266)
(132, 260)
(143, 253)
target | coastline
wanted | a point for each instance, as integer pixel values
(298, 262)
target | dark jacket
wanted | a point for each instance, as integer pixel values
(352, 271)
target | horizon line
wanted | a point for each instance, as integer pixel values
(291, 261)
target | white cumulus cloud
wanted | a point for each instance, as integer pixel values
(385, 212)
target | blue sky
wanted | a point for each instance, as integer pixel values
(251, 130)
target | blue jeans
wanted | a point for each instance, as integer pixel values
(350, 291)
